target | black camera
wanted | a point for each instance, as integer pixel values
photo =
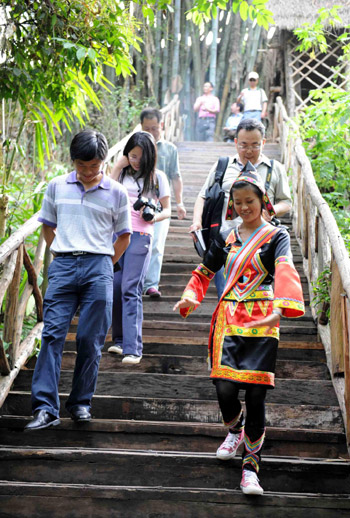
(149, 210)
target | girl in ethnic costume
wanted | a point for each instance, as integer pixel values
(244, 332)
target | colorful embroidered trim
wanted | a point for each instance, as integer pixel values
(253, 460)
(252, 448)
(283, 259)
(236, 264)
(235, 421)
(288, 303)
(232, 330)
(257, 294)
(203, 270)
(254, 377)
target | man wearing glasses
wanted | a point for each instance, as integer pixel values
(249, 141)
(254, 99)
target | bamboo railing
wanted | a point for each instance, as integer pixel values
(322, 247)
(14, 256)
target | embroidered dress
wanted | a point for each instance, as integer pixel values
(236, 353)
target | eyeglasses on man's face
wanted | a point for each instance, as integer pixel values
(244, 147)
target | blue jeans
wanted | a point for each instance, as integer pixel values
(252, 114)
(127, 294)
(220, 281)
(85, 281)
(205, 129)
(153, 273)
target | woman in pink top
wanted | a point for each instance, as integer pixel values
(148, 188)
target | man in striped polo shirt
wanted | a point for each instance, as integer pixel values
(80, 213)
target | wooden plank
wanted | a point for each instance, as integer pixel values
(138, 384)
(169, 470)
(180, 364)
(148, 409)
(168, 436)
(38, 500)
(337, 347)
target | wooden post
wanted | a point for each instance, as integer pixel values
(337, 351)
(305, 229)
(345, 306)
(12, 304)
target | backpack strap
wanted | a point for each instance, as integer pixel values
(268, 175)
(221, 169)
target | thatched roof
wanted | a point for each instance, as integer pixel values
(293, 13)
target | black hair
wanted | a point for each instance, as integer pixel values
(151, 113)
(240, 106)
(251, 125)
(87, 145)
(146, 142)
(211, 84)
(242, 184)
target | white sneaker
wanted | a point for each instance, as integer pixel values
(131, 359)
(117, 349)
(250, 483)
(229, 447)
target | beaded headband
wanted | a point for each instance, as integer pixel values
(250, 175)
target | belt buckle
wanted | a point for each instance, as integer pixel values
(78, 253)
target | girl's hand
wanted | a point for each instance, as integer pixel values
(186, 302)
(269, 322)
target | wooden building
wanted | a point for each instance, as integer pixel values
(291, 73)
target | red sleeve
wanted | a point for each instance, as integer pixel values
(288, 290)
(197, 287)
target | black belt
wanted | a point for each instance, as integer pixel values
(208, 118)
(78, 252)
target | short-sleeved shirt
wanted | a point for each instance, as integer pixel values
(168, 159)
(253, 99)
(133, 188)
(233, 120)
(209, 101)
(85, 220)
(277, 191)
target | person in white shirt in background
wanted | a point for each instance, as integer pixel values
(254, 99)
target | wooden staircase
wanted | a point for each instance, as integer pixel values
(150, 449)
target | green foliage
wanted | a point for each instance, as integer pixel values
(203, 10)
(120, 112)
(313, 36)
(324, 129)
(322, 291)
(54, 53)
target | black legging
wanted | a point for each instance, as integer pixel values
(230, 406)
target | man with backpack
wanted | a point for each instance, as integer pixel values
(249, 141)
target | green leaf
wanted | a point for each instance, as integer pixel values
(243, 10)
(81, 54)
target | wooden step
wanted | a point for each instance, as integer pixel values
(176, 364)
(39, 500)
(193, 387)
(278, 415)
(169, 469)
(170, 436)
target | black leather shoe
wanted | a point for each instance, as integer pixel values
(80, 414)
(42, 419)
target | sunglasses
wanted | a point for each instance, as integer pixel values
(252, 79)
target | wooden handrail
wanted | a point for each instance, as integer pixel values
(322, 247)
(14, 257)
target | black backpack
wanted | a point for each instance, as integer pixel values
(214, 201)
